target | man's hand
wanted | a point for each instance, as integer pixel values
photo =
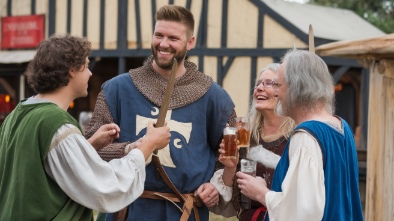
(154, 139)
(208, 194)
(104, 136)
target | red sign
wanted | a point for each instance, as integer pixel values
(22, 31)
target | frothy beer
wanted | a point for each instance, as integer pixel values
(230, 142)
(243, 131)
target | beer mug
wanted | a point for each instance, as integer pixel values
(230, 142)
(243, 127)
(248, 167)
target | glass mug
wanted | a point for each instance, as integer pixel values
(247, 167)
(230, 142)
(243, 128)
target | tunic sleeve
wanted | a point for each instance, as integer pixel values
(87, 179)
(101, 116)
(225, 206)
(303, 190)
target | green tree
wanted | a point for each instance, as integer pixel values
(378, 12)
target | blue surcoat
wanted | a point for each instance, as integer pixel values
(196, 130)
(340, 166)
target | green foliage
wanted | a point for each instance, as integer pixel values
(378, 12)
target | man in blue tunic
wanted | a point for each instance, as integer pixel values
(317, 176)
(198, 111)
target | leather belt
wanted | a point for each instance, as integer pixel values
(190, 202)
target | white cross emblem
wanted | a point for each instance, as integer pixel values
(184, 129)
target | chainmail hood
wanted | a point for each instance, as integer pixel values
(187, 89)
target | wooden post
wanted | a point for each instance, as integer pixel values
(380, 161)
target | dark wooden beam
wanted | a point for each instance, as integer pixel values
(85, 18)
(33, 7)
(68, 16)
(51, 18)
(138, 23)
(102, 24)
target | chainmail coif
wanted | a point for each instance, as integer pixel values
(187, 89)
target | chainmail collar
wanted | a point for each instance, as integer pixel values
(187, 89)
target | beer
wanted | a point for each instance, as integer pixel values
(243, 137)
(242, 124)
(230, 142)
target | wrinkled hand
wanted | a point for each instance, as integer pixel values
(104, 136)
(254, 188)
(208, 194)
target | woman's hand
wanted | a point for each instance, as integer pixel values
(230, 165)
(252, 187)
(229, 162)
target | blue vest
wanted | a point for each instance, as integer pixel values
(340, 166)
(196, 131)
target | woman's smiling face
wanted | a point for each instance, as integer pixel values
(263, 95)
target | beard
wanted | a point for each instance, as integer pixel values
(167, 64)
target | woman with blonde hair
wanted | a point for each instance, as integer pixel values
(269, 133)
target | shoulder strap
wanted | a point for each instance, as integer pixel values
(163, 174)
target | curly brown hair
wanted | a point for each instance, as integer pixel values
(55, 57)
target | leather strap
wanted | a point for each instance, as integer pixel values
(121, 214)
(188, 200)
(170, 197)
(191, 202)
(166, 179)
(187, 209)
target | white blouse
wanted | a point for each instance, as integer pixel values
(225, 206)
(303, 191)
